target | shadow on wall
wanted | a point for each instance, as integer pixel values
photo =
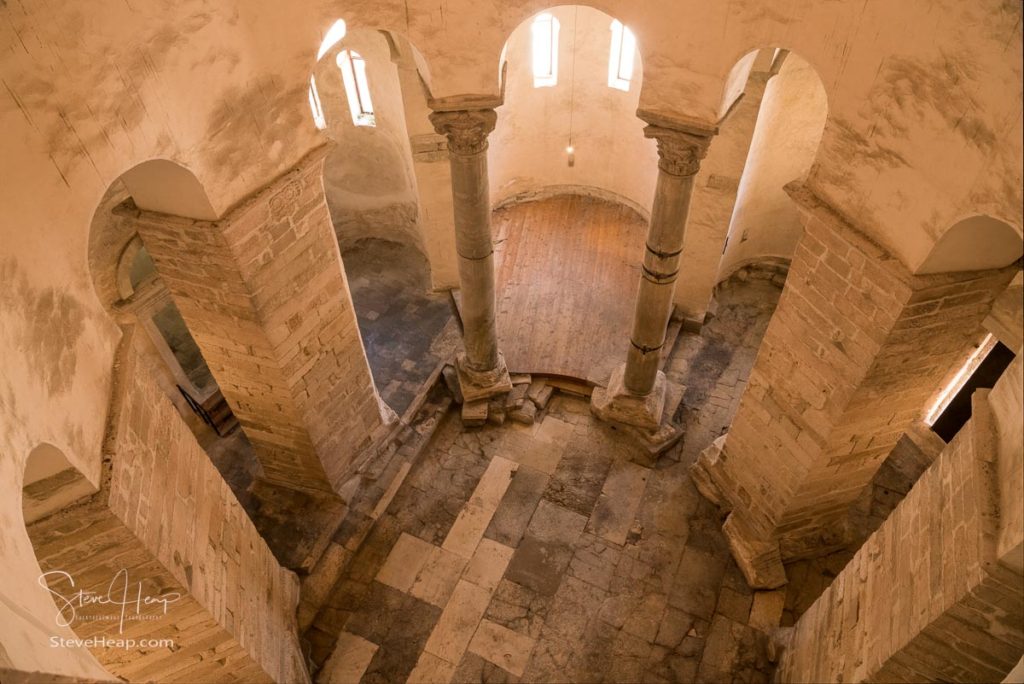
(573, 81)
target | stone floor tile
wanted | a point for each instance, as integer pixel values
(593, 561)
(499, 645)
(554, 430)
(575, 605)
(458, 622)
(403, 564)
(517, 506)
(646, 618)
(475, 670)
(553, 523)
(578, 479)
(519, 608)
(551, 661)
(615, 512)
(431, 670)
(352, 654)
(476, 515)
(697, 581)
(629, 658)
(674, 627)
(436, 581)
(734, 605)
(766, 611)
(487, 566)
(539, 565)
(526, 449)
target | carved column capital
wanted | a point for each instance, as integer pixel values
(679, 152)
(466, 129)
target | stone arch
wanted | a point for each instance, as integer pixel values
(50, 483)
(553, 140)
(116, 249)
(791, 117)
(975, 243)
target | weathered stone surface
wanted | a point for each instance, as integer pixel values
(938, 543)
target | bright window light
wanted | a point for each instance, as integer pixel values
(353, 72)
(315, 106)
(960, 379)
(331, 38)
(620, 62)
(544, 32)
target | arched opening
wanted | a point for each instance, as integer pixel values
(573, 76)
(51, 483)
(569, 225)
(368, 86)
(128, 282)
(790, 120)
(976, 244)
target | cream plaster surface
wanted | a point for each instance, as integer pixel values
(919, 136)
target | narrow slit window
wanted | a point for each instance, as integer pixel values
(620, 62)
(545, 51)
(315, 106)
(353, 73)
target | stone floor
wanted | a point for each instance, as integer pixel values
(399, 317)
(545, 554)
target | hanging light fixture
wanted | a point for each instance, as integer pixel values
(570, 149)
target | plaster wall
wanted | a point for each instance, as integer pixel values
(765, 224)
(368, 175)
(918, 138)
(528, 146)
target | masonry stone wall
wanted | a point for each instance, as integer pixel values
(853, 353)
(265, 297)
(929, 596)
(165, 517)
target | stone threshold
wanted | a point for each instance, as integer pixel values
(371, 490)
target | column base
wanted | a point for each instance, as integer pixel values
(477, 385)
(759, 560)
(616, 404)
(703, 472)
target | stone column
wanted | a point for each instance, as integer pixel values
(481, 368)
(636, 391)
(853, 353)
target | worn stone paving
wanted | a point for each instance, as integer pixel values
(546, 554)
(399, 317)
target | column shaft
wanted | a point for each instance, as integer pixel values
(482, 371)
(657, 280)
(476, 259)
(636, 391)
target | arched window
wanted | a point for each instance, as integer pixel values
(620, 62)
(331, 38)
(315, 106)
(545, 51)
(353, 72)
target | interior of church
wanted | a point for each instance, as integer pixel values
(473, 341)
